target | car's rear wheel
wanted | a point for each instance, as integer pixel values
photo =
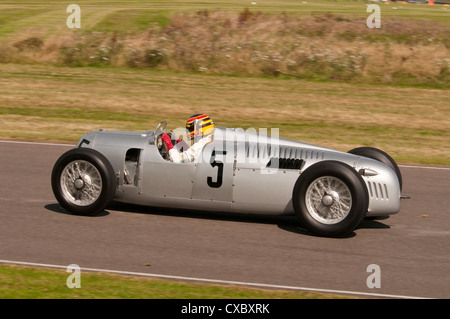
(330, 198)
(83, 181)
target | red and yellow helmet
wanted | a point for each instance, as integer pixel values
(199, 125)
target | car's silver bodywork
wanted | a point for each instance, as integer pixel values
(240, 171)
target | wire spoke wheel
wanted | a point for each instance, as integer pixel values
(328, 200)
(81, 183)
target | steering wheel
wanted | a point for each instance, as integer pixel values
(162, 147)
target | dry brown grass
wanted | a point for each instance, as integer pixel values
(322, 46)
(62, 103)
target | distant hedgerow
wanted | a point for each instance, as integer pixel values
(320, 46)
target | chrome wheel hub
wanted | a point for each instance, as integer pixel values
(81, 183)
(328, 200)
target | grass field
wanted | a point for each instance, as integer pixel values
(20, 282)
(325, 40)
(134, 15)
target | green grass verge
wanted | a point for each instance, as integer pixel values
(20, 282)
(109, 16)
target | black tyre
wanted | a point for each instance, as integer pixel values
(330, 198)
(379, 155)
(83, 181)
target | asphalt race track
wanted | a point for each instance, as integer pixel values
(411, 248)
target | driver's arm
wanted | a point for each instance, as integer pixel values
(175, 156)
(187, 156)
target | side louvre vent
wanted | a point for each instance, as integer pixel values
(284, 157)
(293, 157)
(258, 150)
(285, 163)
(300, 153)
(262, 150)
(378, 191)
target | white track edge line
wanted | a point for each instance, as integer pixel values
(216, 281)
(425, 167)
(36, 143)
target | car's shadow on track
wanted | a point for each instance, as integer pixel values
(365, 224)
(288, 223)
(198, 214)
(56, 208)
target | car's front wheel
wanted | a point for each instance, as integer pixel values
(330, 198)
(83, 181)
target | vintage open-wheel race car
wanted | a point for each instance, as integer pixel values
(239, 171)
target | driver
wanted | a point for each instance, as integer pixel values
(200, 128)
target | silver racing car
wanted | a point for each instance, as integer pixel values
(239, 171)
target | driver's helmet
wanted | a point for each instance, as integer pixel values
(199, 125)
